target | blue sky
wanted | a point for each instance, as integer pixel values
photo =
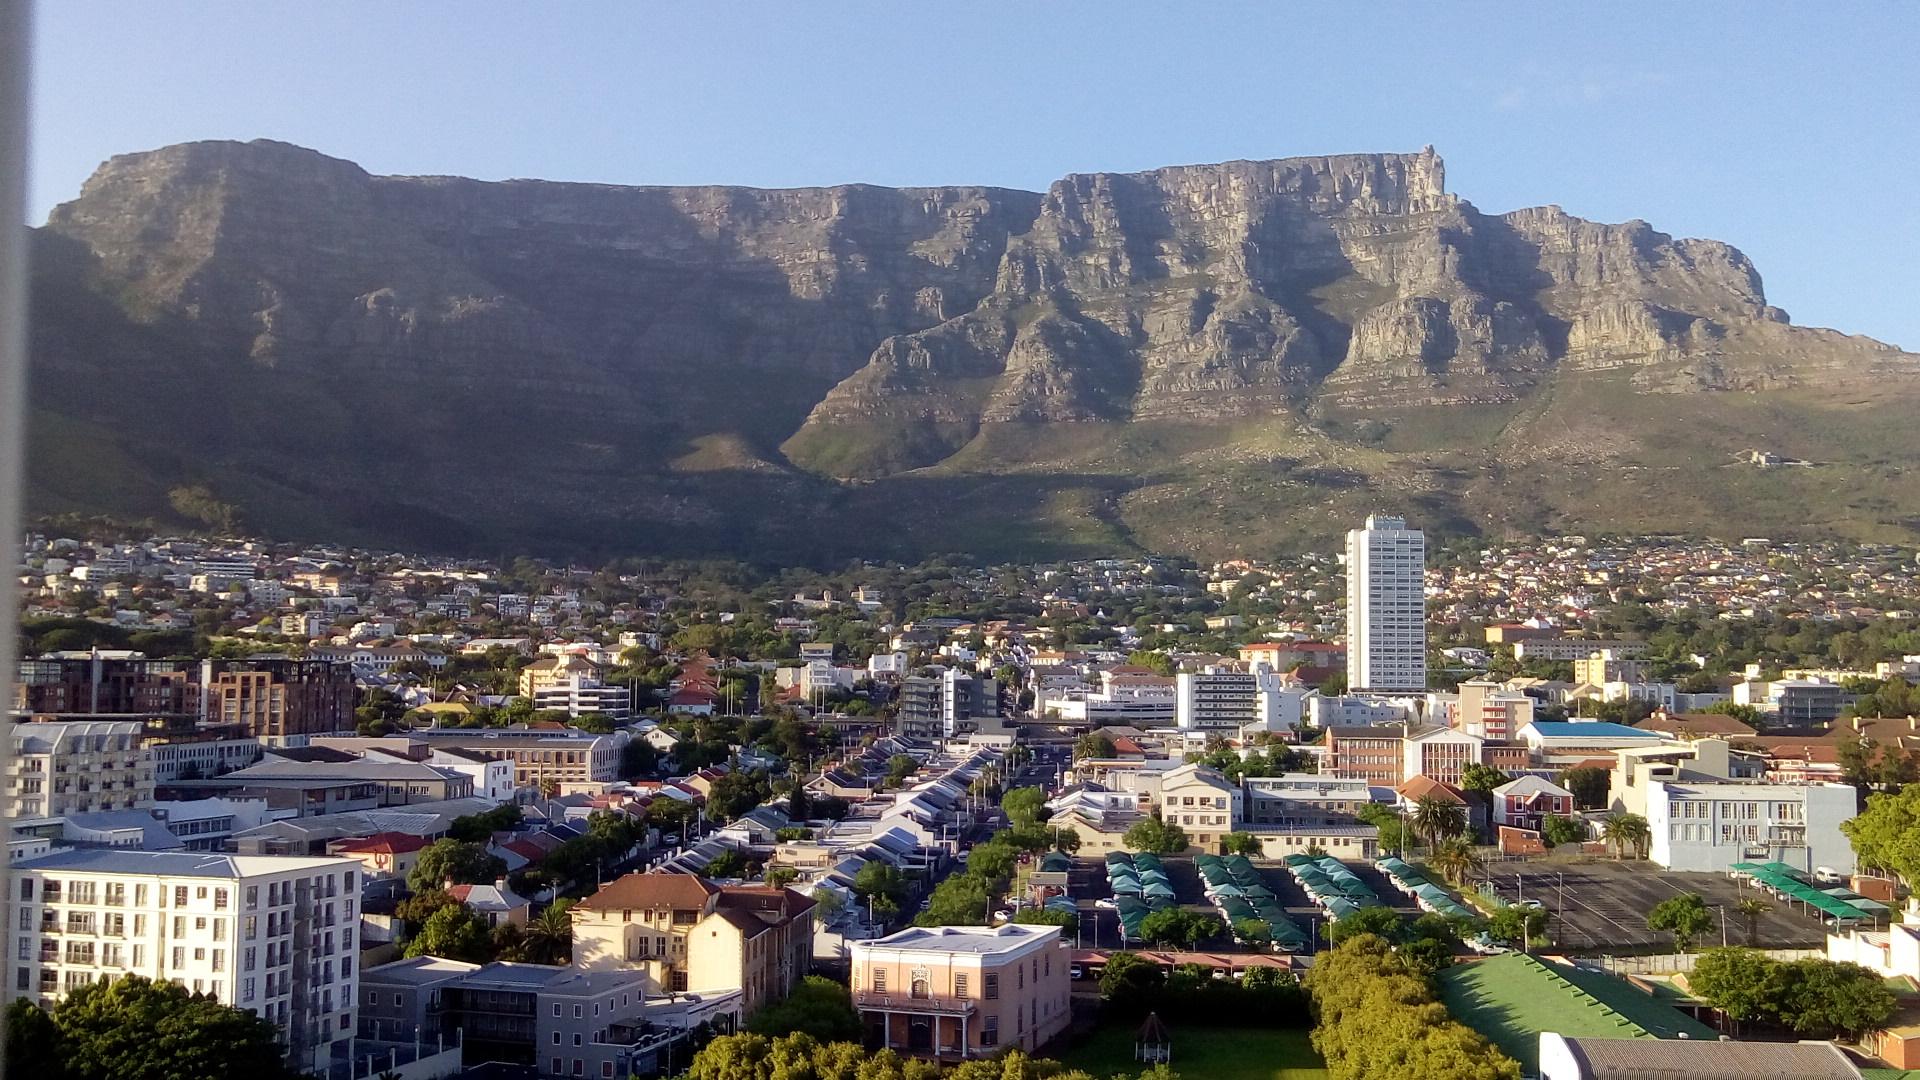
(1790, 131)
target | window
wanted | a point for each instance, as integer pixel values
(576, 1038)
(960, 988)
(993, 991)
(880, 980)
(578, 1012)
(373, 997)
(556, 1015)
(990, 1035)
(556, 1038)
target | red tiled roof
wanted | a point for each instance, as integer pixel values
(643, 891)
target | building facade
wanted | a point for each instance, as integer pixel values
(76, 766)
(276, 697)
(272, 935)
(955, 992)
(1386, 607)
(1704, 825)
(688, 934)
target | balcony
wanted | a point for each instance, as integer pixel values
(906, 1003)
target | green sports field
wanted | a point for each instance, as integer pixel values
(1206, 1053)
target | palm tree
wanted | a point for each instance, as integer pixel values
(548, 938)
(1622, 830)
(1456, 860)
(1435, 819)
(1753, 907)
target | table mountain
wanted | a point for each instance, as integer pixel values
(1202, 359)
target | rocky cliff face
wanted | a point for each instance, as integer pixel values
(269, 313)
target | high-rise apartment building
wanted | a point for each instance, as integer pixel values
(273, 697)
(272, 935)
(1386, 607)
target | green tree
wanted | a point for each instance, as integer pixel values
(1093, 745)
(1481, 779)
(818, 1006)
(1241, 843)
(1151, 834)
(1751, 909)
(33, 1041)
(1254, 934)
(779, 877)
(1589, 786)
(1067, 921)
(479, 828)
(1158, 662)
(1456, 860)
(1886, 835)
(548, 937)
(1822, 999)
(1556, 830)
(136, 1029)
(1380, 922)
(1516, 925)
(453, 933)
(960, 900)
(1178, 926)
(1738, 982)
(454, 862)
(1393, 830)
(1436, 819)
(1623, 831)
(880, 879)
(727, 864)
(1024, 805)
(671, 815)
(1684, 916)
(899, 767)
(1129, 981)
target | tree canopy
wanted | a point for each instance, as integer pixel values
(136, 1029)
(454, 862)
(1151, 834)
(819, 1007)
(1684, 916)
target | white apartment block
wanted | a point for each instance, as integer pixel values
(73, 767)
(577, 694)
(272, 935)
(1224, 699)
(1703, 825)
(1386, 606)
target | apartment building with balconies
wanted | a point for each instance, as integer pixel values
(73, 767)
(270, 934)
(956, 992)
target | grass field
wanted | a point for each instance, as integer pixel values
(1206, 1053)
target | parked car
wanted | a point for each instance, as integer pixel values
(1076, 972)
(1827, 875)
(1530, 905)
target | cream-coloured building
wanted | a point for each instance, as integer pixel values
(1201, 801)
(75, 766)
(273, 935)
(689, 934)
(957, 992)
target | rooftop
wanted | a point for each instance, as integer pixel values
(1589, 729)
(1620, 1059)
(177, 864)
(978, 940)
(1511, 999)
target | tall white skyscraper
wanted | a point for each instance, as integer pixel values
(1386, 606)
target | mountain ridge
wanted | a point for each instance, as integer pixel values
(567, 364)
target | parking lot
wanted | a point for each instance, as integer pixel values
(1602, 907)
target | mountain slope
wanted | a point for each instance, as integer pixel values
(1201, 359)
